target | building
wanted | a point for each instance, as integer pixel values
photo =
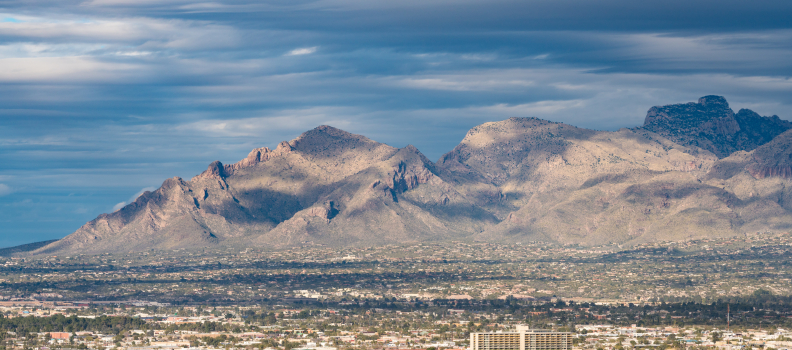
(60, 335)
(522, 339)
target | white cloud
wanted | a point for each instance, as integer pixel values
(541, 108)
(118, 206)
(125, 32)
(451, 84)
(138, 3)
(5, 190)
(134, 53)
(71, 69)
(302, 51)
(29, 49)
(297, 120)
(140, 193)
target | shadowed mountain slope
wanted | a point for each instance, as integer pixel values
(24, 248)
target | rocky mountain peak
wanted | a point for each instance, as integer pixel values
(216, 170)
(338, 152)
(284, 147)
(414, 150)
(687, 115)
(496, 150)
(711, 125)
(714, 101)
(327, 138)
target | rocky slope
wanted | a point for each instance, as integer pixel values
(521, 179)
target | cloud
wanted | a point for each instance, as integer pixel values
(5, 190)
(449, 84)
(291, 121)
(302, 51)
(71, 69)
(141, 32)
(118, 206)
(137, 3)
(140, 193)
(544, 108)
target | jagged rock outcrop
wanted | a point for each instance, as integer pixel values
(711, 125)
(521, 179)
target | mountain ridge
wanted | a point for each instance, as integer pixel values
(521, 179)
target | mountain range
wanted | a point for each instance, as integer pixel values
(694, 170)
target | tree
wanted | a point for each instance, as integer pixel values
(715, 336)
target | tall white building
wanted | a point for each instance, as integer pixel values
(523, 339)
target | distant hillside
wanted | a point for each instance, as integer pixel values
(24, 248)
(692, 171)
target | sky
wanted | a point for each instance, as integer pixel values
(101, 100)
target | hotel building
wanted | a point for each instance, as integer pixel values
(522, 339)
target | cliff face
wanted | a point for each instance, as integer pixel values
(711, 125)
(521, 179)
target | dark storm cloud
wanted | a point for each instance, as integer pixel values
(100, 99)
